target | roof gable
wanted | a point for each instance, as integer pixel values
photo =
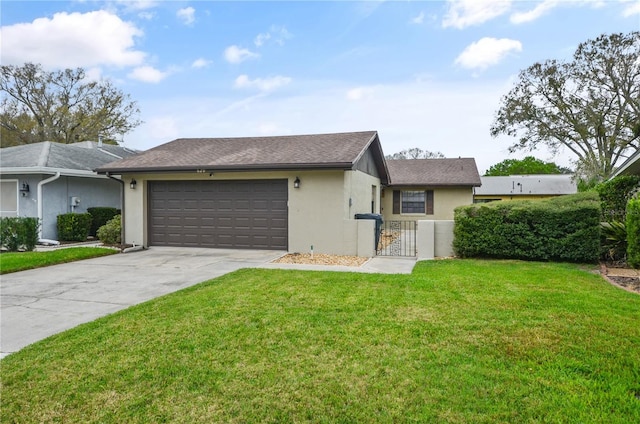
(433, 172)
(313, 151)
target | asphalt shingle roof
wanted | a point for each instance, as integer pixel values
(433, 172)
(84, 156)
(280, 152)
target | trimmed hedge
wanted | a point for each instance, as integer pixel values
(100, 215)
(74, 226)
(633, 233)
(565, 228)
(110, 232)
(19, 233)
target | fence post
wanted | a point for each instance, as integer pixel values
(425, 239)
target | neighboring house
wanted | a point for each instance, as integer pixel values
(293, 193)
(524, 187)
(428, 189)
(630, 167)
(47, 179)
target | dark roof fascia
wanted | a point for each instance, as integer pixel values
(229, 168)
(382, 170)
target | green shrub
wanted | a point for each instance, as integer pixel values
(614, 195)
(110, 232)
(633, 233)
(19, 233)
(100, 215)
(565, 228)
(74, 226)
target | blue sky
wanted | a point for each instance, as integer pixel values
(425, 74)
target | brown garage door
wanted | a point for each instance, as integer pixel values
(223, 214)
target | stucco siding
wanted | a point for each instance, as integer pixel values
(319, 214)
(445, 200)
(358, 187)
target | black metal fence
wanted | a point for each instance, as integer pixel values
(398, 238)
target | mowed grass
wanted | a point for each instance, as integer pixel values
(21, 261)
(458, 341)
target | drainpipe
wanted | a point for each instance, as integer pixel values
(121, 206)
(40, 213)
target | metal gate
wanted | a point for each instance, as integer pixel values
(398, 238)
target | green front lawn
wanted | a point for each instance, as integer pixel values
(20, 261)
(457, 341)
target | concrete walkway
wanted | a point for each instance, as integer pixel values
(38, 303)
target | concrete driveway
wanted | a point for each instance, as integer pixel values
(38, 303)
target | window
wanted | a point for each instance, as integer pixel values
(413, 202)
(9, 198)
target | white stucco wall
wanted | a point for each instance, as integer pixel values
(319, 211)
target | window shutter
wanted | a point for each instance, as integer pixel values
(396, 202)
(429, 197)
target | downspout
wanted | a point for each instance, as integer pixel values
(39, 194)
(121, 204)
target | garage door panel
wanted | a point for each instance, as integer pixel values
(225, 214)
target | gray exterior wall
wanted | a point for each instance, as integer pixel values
(56, 197)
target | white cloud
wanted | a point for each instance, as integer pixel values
(261, 39)
(147, 16)
(418, 19)
(187, 15)
(200, 63)
(631, 9)
(235, 54)
(487, 52)
(277, 34)
(147, 74)
(464, 13)
(262, 84)
(540, 9)
(360, 93)
(73, 40)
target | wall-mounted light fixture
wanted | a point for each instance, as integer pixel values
(132, 184)
(296, 183)
(24, 189)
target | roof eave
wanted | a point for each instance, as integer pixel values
(37, 170)
(226, 168)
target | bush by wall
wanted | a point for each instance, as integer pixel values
(19, 233)
(100, 215)
(614, 195)
(110, 232)
(74, 226)
(633, 233)
(565, 228)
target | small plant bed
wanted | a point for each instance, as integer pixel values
(320, 259)
(21, 261)
(622, 276)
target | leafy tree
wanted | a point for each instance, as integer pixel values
(415, 153)
(61, 106)
(589, 105)
(527, 166)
